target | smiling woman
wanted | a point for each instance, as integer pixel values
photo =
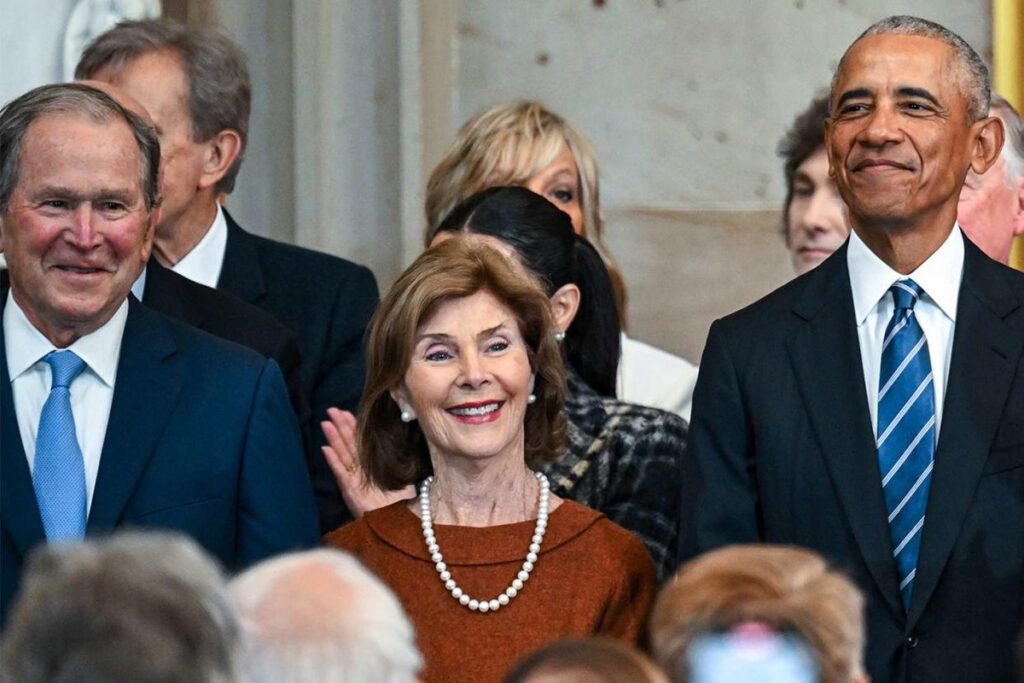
(464, 392)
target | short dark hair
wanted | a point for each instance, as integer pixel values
(394, 453)
(77, 99)
(805, 137)
(220, 92)
(977, 89)
(543, 238)
(133, 607)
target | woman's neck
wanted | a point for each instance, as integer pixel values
(482, 494)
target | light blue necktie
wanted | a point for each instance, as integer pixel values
(58, 475)
(906, 430)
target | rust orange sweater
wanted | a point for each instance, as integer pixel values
(591, 577)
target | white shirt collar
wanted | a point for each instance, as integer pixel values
(204, 262)
(939, 276)
(139, 286)
(26, 345)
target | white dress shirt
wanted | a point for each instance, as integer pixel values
(91, 392)
(203, 264)
(939, 276)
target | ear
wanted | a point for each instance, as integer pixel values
(221, 151)
(400, 395)
(152, 221)
(988, 136)
(564, 304)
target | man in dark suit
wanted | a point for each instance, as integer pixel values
(195, 85)
(113, 414)
(872, 409)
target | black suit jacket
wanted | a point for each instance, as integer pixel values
(201, 439)
(781, 450)
(327, 301)
(228, 317)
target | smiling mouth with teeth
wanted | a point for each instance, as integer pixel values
(476, 410)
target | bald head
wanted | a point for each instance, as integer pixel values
(320, 616)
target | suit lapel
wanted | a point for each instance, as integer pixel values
(145, 391)
(985, 352)
(241, 273)
(825, 354)
(19, 510)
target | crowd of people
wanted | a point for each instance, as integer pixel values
(226, 459)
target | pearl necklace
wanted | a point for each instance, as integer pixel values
(517, 584)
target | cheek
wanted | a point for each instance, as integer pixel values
(576, 215)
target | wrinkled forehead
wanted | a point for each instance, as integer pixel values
(884, 64)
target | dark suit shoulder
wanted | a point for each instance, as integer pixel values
(316, 269)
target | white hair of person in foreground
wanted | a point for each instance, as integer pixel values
(322, 616)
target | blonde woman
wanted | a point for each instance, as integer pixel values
(525, 143)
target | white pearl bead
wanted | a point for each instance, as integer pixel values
(434, 549)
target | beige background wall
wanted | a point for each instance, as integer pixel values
(684, 101)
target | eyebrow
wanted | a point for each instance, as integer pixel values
(855, 94)
(909, 91)
(443, 337)
(121, 195)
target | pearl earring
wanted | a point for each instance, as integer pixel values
(560, 336)
(406, 416)
(532, 398)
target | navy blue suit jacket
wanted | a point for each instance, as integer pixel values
(781, 450)
(328, 302)
(201, 439)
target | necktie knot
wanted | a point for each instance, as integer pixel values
(905, 294)
(65, 367)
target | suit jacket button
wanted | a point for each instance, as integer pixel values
(911, 641)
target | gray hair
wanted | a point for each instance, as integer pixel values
(976, 83)
(1013, 146)
(81, 100)
(321, 616)
(220, 93)
(133, 608)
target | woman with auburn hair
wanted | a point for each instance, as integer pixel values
(524, 143)
(619, 458)
(463, 399)
(758, 589)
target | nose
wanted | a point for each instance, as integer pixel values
(882, 126)
(822, 213)
(474, 373)
(82, 230)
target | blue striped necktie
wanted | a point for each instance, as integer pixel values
(906, 430)
(58, 473)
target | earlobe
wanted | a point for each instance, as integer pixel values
(988, 143)
(400, 396)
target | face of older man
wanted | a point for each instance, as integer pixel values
(991, 210)
(900, 139)
(76, 232)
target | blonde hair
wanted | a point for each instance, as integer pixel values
(507, 145)
(788, 589)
